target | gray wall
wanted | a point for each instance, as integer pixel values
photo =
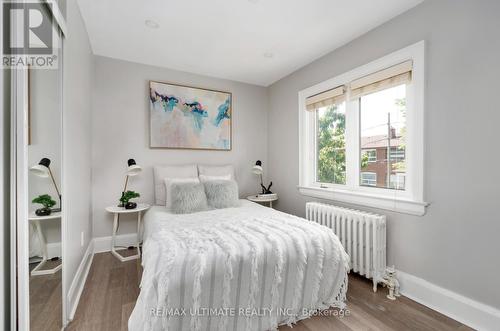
(120, 130)
(455, 245)
(78, 69)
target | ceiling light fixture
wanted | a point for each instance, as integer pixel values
(268, 55)
(152, 24)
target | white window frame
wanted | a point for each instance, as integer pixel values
(409, 201)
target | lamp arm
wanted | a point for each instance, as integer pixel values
(54, 182)
(261, 182)
(57, 189)
(126, 182)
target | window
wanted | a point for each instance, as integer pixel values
(383, 127)
(361, 134)
(398, 153)
(397, 181)
(330, 144)
(369, 155)
(369, 178)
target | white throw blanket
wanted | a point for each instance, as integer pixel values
(246, 268)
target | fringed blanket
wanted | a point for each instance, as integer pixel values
(246, 268)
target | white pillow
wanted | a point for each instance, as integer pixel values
(162, 172)
(217, 170)
(168, 187)
(205, 178)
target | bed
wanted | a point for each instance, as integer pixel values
(243, 268)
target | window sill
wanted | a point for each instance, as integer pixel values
(400, 205)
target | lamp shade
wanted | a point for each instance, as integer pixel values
(42, 168)
(133, 169)
(257, 168)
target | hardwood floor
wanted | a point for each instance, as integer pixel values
(46, 300)
(109, 294)
(112, 288)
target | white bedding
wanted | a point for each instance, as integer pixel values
(254, 267)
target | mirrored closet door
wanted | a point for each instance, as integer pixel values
(40, 211)
(44, 194)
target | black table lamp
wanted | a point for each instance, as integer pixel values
(258, 170)
(42, 169)
(132, 170)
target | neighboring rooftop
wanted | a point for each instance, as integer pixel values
(379, 141)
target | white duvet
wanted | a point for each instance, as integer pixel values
(245, 268)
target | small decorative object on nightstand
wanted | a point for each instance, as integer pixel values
(121, 210)
(264, 198)
(125, 199)
(46, 201)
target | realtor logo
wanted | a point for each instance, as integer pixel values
(29, 36)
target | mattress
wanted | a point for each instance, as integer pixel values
(244, 268)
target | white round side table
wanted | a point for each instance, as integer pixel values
(117, 211)
(256, 198)
(37, 222)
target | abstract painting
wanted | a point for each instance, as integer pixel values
(189, 118)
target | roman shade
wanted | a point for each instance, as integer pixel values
(326, 98)
(381, 80)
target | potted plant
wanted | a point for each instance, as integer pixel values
(47, 202)
(125, 199)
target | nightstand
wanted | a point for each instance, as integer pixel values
(37, 222)
(117, 211)
(256, 198)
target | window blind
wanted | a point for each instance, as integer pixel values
(324, 99)
(381, 80)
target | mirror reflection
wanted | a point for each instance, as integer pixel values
(44, 179)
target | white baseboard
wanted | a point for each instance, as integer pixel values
(465, 310)
(103, 244)
(96, 245)
(76, 288)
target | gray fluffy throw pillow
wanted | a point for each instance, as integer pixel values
(222, 193)
(188, 198)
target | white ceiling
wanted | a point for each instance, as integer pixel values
(231, 38)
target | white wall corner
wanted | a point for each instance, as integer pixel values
(78, 283)
(465, 310)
